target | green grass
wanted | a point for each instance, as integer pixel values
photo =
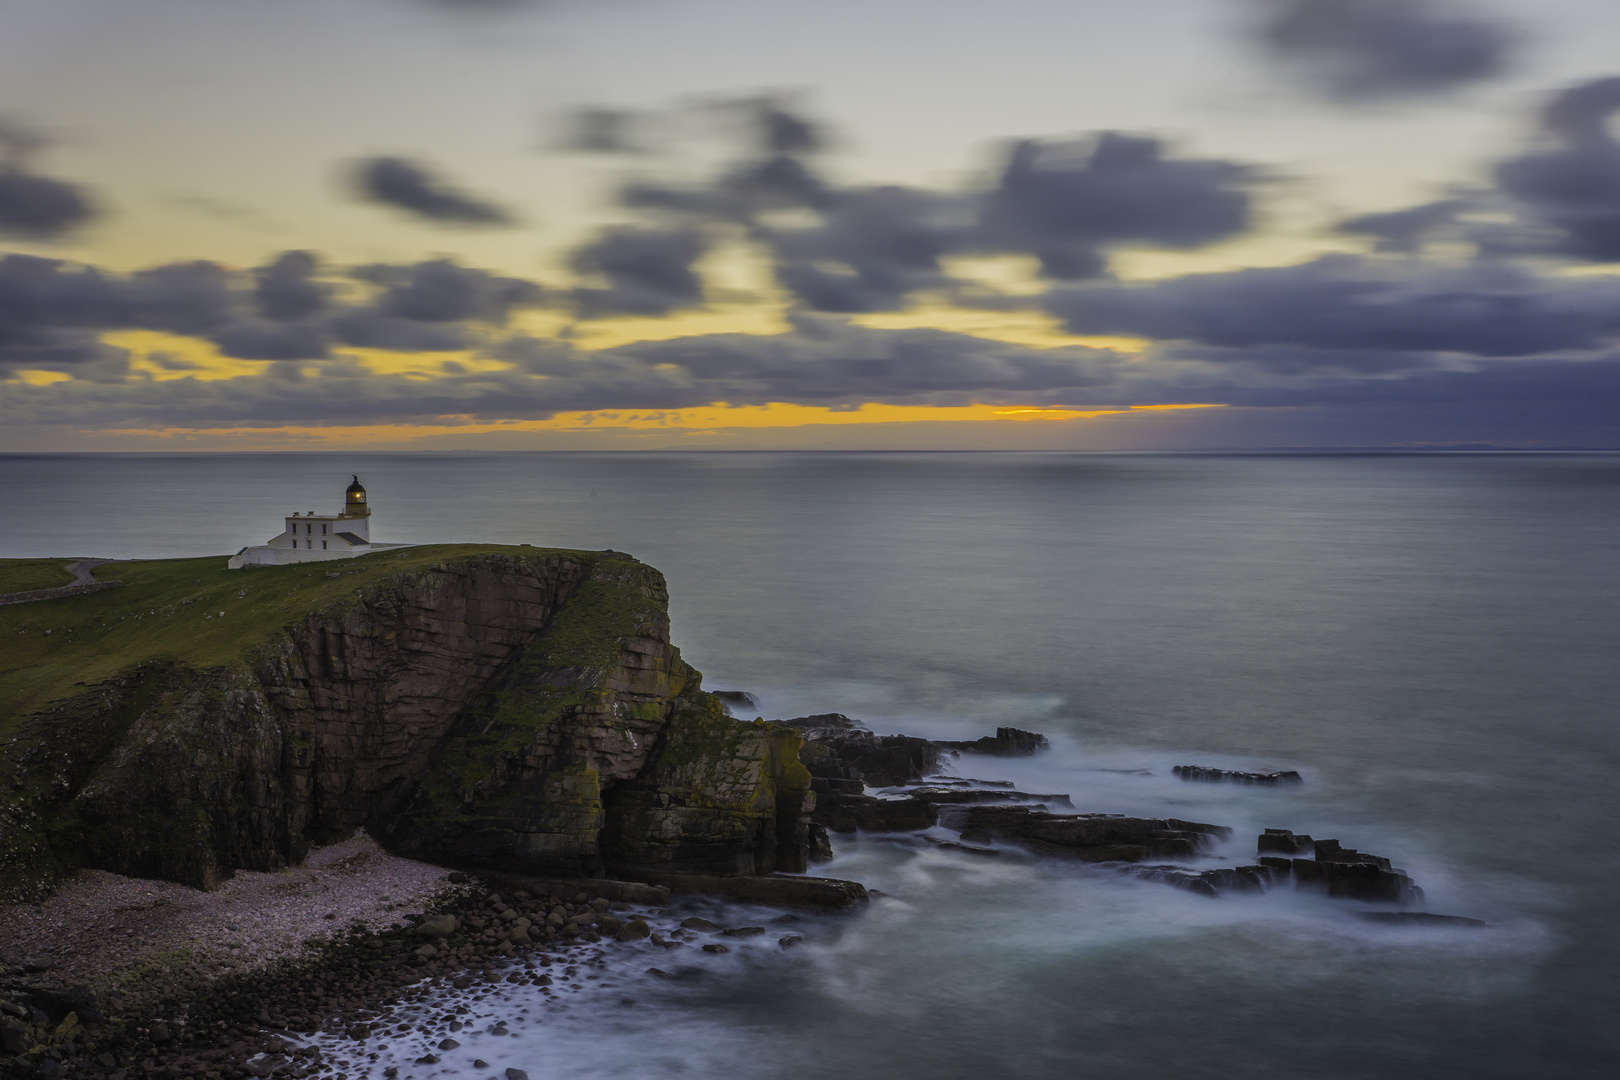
(25, 575)
(169, 609)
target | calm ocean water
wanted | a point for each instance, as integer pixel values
(1431, 640)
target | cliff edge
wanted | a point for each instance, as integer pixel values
(502, 707)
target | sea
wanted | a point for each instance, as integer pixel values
(1431, 640)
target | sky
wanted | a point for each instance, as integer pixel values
(764, 224)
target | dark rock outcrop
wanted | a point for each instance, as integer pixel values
(843, 813)
(1335, 870)
(1092, 837)
(1006, 742)
(1228, 776)
(875, 760)
(1214, 882)
(832, 721)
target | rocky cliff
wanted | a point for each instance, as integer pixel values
(502, 707)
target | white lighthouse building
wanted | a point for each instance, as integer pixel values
(313, 537)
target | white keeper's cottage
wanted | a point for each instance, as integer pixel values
(313, 537)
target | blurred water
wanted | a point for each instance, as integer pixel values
(1431, 640)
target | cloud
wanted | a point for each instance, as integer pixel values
(287, 288)
(1405, 231)
(35, 207)
(1573, 184)
(1359, 50)
(411, 187)
(53, 312)
(598, 130)
(439, 290)
(1353, 305)
(854, 249)
(648, 272)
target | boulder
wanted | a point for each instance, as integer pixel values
(438, 926)
(1215, 882)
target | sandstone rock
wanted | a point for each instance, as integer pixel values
(938, 795)
(634, 930)
(1219, 881)
(696, 923)
(1227, 776)
(716, 948)
(1092, 837)
(743, 931)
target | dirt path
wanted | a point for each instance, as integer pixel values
(84, 581)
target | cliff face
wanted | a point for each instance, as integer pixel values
(505, 709)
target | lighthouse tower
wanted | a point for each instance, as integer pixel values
(314, 537)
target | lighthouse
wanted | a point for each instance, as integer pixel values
(315, 537)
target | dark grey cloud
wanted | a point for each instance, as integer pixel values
(1067, 201)
(412, 187)
(35, 207)
(873, 248)
(1354, 305)
(372, 330)
(862, 249)
(1405, 231)
(263, 340)
(53, 312)
(598, 130)
(288, 288)
(1573, 184)
(647, 271)
(439, 290)
(1358, 50)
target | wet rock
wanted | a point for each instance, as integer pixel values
(1006, 742)
(743, 931)
(696, 923)
(516, 1074)
(939, 795)
(841, 813)
(1368, 877)
(1092, 837)
(634, 930)
(821, 849)
(787, 941)
(1219, 881)
(1283, 842)
(778, 890)
(659, 973)
(824, 722)
(715, 948)
(1227, 776)
(14, 1037)
(449, 1044)
(877, 760)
